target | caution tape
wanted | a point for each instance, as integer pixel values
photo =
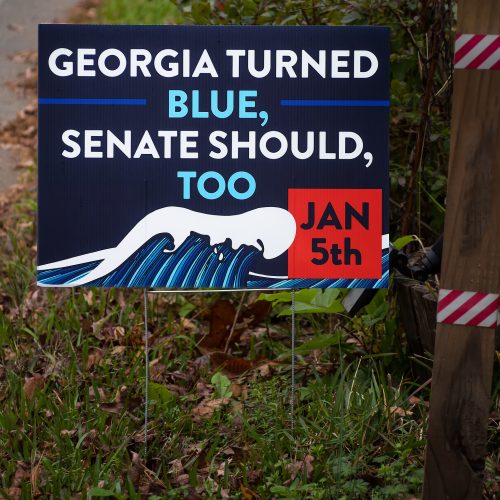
(468, 308)
(477, 51)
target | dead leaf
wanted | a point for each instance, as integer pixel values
(144, 479)
(88, 295)
(32, 384)
(236, 390)
(136, 469)
(22, 474)
(397, 410)
(36, 472)
(204, 389)
(221, 320)
(114, 408)
(182, 480)
(67, 433)
(264, 370)
(207, 407)
(248, 494)
(177, 468)
(118, 350)
(221, 470)
(231, 365)
(94, 358)
(414, 400)
(257, 312)
(300, 466)
(121, 394)
(98, 325)
(101, 392)
(187, 324)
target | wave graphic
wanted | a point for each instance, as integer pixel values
(177, 247)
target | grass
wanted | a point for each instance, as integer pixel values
(83, 424)
(140, 12)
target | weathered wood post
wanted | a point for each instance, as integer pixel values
(463, 361)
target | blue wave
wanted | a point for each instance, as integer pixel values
(66, 275)
(196, 264)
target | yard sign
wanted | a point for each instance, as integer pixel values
(213, 157)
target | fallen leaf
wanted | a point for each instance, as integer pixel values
(187, 324)
(118, 350)
(230, 365)
(221, 320)
(36, 472)
(397, 410)
(414, 400)
(299, 466)
(208, 406)
(114, 408)
(136, 469)
(236, 390)
(67, 433)
(144, 479)
(264, 370)
(14, 493)
(101, 393)
(204, 389)
(222, 317)
(88, 295)
(32, 384)
(94, 358)
(257, 312)
(22, 474)
(221, 470)
(182, 480)
(248, 494)
(177, 468)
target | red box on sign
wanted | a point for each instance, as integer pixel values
(339, 233)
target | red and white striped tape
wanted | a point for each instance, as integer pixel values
(468, 308)
(477, 51)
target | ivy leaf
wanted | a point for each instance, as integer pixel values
(221, 384)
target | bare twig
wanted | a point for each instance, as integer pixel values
(236, 316)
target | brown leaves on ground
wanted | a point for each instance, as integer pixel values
(248, 494)
(302, 467)
(222, 319)
(144, 479)
(25, 472)
(207, 407)
(32, 385)
(230, 365)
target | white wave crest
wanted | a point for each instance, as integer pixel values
(270, 229)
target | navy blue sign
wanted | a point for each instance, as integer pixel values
(213, 157)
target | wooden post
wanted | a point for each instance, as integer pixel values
(463, 361)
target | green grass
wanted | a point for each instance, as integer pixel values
(140, 12)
